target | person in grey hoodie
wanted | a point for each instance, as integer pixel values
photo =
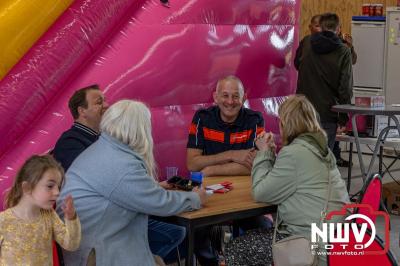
(325, 74)
(112, 183)
(297, 179)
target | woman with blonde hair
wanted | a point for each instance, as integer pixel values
(114, 190)
(297, 179)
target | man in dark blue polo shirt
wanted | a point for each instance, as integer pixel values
(221, 142)
(221, 138)
(87, 106)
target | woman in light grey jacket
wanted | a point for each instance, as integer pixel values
(114, 190)
(296, 181)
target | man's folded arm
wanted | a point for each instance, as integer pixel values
(196, 161)
(230, 169)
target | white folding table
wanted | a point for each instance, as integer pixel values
(354, 111)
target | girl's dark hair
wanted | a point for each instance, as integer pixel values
(31, 172)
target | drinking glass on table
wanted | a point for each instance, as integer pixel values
(171, 171)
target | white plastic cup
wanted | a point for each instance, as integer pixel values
(171, 171)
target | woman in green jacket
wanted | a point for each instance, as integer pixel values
(296, 180)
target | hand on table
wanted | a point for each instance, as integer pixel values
(244, 157)
(202, 194)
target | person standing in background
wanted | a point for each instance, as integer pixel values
(326, 75)
(314, 28)
(348, 40)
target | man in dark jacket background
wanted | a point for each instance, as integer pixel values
(325, 74)
(314, 28)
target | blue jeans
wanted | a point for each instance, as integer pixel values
(164, 237)
(246, 224)
(330, 129)
(202, 243)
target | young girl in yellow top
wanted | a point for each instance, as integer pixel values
(29, 224)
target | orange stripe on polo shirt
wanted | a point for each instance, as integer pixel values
(259, 130)
(240, 137)
(192, 129)
(213, 135)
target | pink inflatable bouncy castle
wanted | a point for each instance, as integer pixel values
(167, 55)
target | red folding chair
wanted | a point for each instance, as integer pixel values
(57, 253)
(370, 194)
(56, 259)
(340, 256)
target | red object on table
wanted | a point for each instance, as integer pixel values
(227, 187)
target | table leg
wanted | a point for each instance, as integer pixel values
(190, 245)
(236, 230)
(359, 152)
(381, 139)
(349, 168)
(380, 160)
(396, 122)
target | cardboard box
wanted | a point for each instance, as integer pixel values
(381, 121)
(391, 197)
(370, 101)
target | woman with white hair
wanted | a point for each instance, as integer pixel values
(114, 190)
